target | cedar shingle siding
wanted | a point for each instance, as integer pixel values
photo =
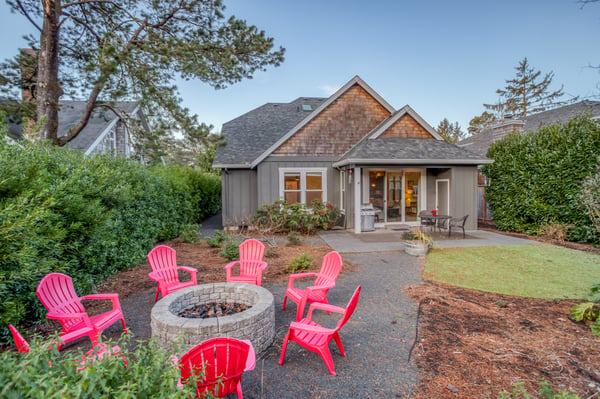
(340, 126)
(407, 127)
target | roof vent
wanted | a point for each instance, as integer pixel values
(307, 107)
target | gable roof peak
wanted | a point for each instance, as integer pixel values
(356, 80)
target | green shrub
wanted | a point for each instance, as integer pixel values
(271, 253)
(150, 373)
(285, 218)
(231, 250)
(536, 178)
(293, 239)
(545, 392)
(299, 263)
(87, 217)
(589, 310)
(216, 240)
(191, 234)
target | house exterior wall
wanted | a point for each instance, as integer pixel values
(239, 195)
(268, 176)
(340, 126)
(463, 194)
(407, 126)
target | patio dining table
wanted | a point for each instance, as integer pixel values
(439, 221)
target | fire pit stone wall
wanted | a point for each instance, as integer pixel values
(256, 324)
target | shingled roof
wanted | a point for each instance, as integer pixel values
(102, 119)
(249, 135)
(408, 151)
(481, 141)
(561, 115)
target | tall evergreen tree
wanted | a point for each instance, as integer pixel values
(450, 132)
(480, 122)
(528, 92)
(108, 50)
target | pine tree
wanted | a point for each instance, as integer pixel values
(527, 93)
(450, 132)
(108, 50)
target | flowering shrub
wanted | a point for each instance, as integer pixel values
(285, 218)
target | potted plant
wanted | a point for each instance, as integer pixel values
(417, 242)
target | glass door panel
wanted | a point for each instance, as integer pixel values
(411, 195)
(376, 192)
(394, 197)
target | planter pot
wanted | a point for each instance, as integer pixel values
(416, 248)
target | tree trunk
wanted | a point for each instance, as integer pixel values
(48, 88)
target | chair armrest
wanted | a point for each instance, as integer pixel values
(295, 276)
(320, 287)
(263, 266)
(62, 316)
(294, 325)
(188, 269)
(155, 276)
(114, 298)
(251, 360)
(229, 267)
(192, 271)
(323, 306)
(231, 264)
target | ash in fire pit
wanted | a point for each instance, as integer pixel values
(213, 309)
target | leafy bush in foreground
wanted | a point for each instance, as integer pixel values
(87, 217)
(150, 373)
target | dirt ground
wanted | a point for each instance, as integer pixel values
(469, 344)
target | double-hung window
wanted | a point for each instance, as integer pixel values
(303, 185)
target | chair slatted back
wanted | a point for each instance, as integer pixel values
(218, 362)
(349, 308)
(57, 294)
(163, 260)
(330, 269)
(251, 256)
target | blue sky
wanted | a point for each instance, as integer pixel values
(443, 58)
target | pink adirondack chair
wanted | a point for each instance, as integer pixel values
(316, 338)
(330, 269)
(20, 342)
(163, 261)
(251, 263)
(98, 352)
(219, 364)
(57, 294)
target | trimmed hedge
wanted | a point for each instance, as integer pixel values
(87, 217)
(536, 178)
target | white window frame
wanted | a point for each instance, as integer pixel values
(303, 172)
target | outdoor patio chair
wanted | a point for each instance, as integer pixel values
(316, 338)
(457, 223)
(218, 364)
(325, 280)
(98, 352)
(427, 218)
(251, 263)
(57, 294)
(163, 261)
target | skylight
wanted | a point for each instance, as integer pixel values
(307, 107)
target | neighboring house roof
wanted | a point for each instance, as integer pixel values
(99, 124)
(481, 141)
(561, 115)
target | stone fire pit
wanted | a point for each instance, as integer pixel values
(256, 324)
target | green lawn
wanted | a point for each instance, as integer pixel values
(536, 271)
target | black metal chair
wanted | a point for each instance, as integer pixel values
(457, 223)
(427, 219)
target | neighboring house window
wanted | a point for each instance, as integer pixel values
(303, 185)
